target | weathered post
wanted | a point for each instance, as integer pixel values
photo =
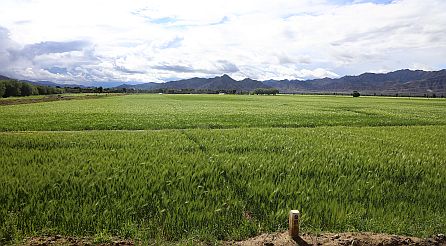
(293, 222)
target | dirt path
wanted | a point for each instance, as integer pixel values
(273, 239)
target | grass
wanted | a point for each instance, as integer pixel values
(137, 112)
(365, 164)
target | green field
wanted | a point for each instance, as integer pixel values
(139, 112)
(179, 168)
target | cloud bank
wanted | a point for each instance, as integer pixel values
(88, 41)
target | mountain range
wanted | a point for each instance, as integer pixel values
(49, 83)
(402, 82)
(3, 77)
(218, 83)
(405, 82)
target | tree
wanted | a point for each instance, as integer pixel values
(98, 89)
(12, 88)
(52, 90)
(35, 90)
(43, 90)
(356, 94)
(2, 88)
(26, 89)
(266, 91)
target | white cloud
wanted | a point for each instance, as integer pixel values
(158, 40)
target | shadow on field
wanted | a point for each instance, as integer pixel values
(300, 241)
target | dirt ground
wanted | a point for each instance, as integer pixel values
(72, 241)
(273, 239)
(332, 239)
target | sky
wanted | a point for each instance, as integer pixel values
(97, 41)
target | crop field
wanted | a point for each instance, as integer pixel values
(187, 168)
(157, 112)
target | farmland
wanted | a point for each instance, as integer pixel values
(169, 168)
(156, 112)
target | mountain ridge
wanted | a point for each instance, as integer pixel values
(403, 82)
(416, 82)
(224, 82)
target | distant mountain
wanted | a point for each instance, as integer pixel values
(145, 86)
(405, 82)
(53, 84)
(3, 77)
(218, 83)
(49, 83)
(92, 84)
(105, 84)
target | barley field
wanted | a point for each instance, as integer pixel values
(187, 168)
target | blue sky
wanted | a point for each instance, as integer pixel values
(92, 41)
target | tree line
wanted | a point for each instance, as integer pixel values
(15, 88)
(266, 91)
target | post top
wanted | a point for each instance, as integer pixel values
(294, 212)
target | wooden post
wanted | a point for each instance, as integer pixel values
(293, 222)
